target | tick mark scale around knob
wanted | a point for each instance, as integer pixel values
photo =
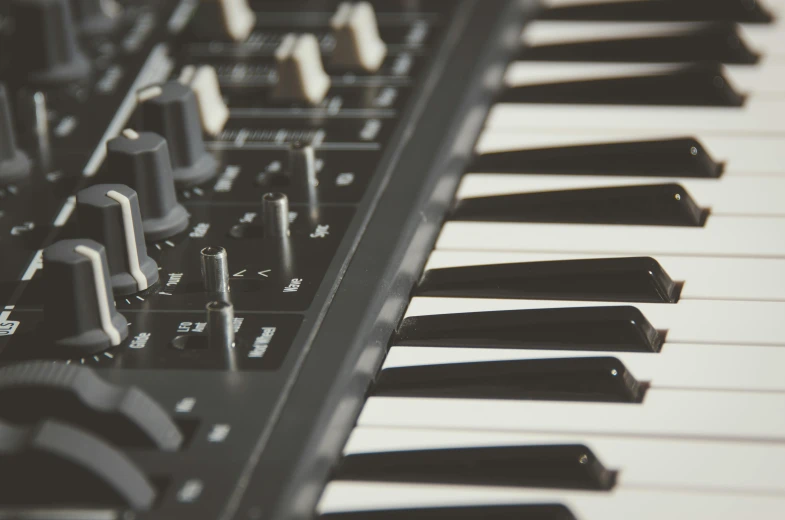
(110, 215)
(79, 310)
(141, 161)
(48, 52)
(171, 111)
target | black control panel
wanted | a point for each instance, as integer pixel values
(184, 186)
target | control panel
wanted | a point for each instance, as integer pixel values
(182, 185)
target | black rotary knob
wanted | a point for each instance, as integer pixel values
(141, 161)
(109, 214)
(96, 17)
(171, 111)
(45, 45)
(79, 310)
(14, 163)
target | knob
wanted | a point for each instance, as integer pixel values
(14, 163)
(56, 464)
(215, 269)
(79, 310)
(203, 81)
(275, 214)
(110, 215)
(171, 111)
(96, 17)
(47, 49)
(220, 325)
(358, 45)
(124, 415)
(301, 75)
(302, 163)
(141, 161)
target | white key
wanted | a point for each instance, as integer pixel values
(767, 77)
(720, 236)
(758, 116)
(765, 39)
(621, 504)
(737, 195)
(642, 463)
(750, 416)
(742, 154)
(704, 278)
(677, 365)
(689, 321)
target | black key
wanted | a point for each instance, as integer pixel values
(693, 85)
(650, 205)
(562, 467)
(616, 328)
(715, 42)
(603, 379)
(490, 512)
(639, 279)
(746, 11)
(682, 157)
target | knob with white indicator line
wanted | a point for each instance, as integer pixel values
(47, 51)
(14, 163)
(358, 45)
(301, 75)
(213, 112)
(109, 214)
(141, 161)
(171, 111)
(79, 310)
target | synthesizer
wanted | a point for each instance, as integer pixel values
(392, 259)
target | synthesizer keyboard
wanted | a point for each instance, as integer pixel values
(397, 259)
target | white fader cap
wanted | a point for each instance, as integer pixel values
(301, 75)
(213, 112)
(357, 41)
(238, 18)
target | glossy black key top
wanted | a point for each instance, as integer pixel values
(649, 205)
(562, 467)
(682, 157)
(693, 85)
(742, 11)
(615, 328)
(603, 379)
(490, 512)
(637, 279)
(714, 42)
